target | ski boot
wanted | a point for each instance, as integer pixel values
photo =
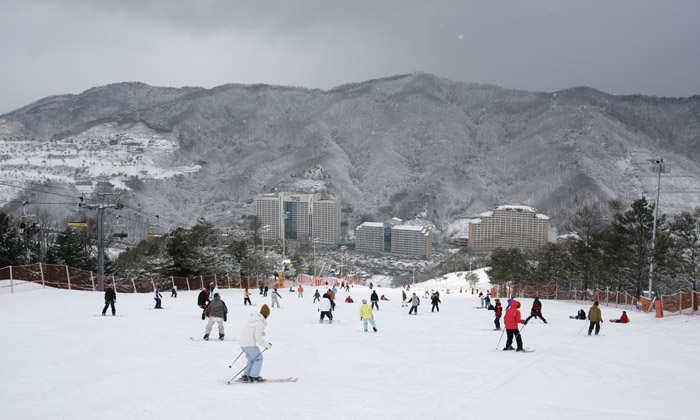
(206, 337)
(221, 337)
(375, 329)
(257, 379)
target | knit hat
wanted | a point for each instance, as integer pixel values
(265, 311)
(364, 301)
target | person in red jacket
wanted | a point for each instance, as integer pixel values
(623, 319)
(498, 312)
(512, 319)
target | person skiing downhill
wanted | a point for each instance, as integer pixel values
(157, 296)
(536, 311)
(253, 334)
(110, 298)
(275, 295)
(595, 316)
(246, 297)
(435, 300)
(375, 299)
(512, 319)
(216, 311)
(414, 301)
(325, 306)
(366, 315)
(498, 311)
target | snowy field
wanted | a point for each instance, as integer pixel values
(59, 360)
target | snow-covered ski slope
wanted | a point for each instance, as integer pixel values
(59, 361)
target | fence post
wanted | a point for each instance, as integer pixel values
(113, 283)
(228, 280)
(133, 284)
(92, 279)
(41, 270)
(172, 279)
(187, 279)
(12, 282)
(68, 275)
(216, 283)
(201, 280)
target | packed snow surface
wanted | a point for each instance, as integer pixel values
(61, 360)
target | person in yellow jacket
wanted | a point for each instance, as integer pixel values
(595, 317)
(366, 315)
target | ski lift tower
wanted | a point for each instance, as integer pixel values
(100, 201)
(658, 167)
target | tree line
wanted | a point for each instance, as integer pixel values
(611, 254)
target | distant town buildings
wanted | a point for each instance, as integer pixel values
(393, 237)
(508, 226)
(308, 216)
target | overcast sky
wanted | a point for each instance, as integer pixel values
(50, 47)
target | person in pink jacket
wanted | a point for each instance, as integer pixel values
(512, 319)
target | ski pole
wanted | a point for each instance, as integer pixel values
(499, 340)
(584, 326)
(229, 366)
(246, 366)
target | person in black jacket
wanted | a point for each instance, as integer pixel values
(375, 299)
(435, 299)
(203, 299)
(536, 311)
(110, 298)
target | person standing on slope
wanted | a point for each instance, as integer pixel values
(498, 311)
(325, 306)
(512, 319)
(157, 296)
(203, 299)
(275, 295)
(246, 297)
(317, 296)
(173, 292)
(414, 301)
(253, 334)
(216, 311)
(403, 298)
(375, 299)
(300, 292)
(110, 298)
(366, 315)
(536, 311)
(435, 299)
(595, 317)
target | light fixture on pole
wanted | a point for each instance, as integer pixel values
(285, 215)
(661, 168)
(313, 244)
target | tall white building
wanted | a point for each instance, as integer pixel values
(307, 216)
(508, 226)
(393, 237)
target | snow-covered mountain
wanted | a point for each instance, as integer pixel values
(415, 146)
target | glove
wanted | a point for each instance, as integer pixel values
(524, 322)
(203, 317)
(269, 345)
(360, 318)
(224, 318)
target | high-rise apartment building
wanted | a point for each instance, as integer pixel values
(393, 237)
(299, 217)
(508, 226)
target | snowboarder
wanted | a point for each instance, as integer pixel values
(203, 299)
(375, 299)
(110, 298)
(317, 296)
(216, 311)
(536, 311)
(415, 301)
(349, 300)
(300, 291)
(403, 298)
(595, 317)
(253, 334)
(157, 296)
(246, 297)
(435, 300)
(623, 319)
(581, 315)
(366, 315)
(275, 295)
(512, 319)
(325, 306)
(173, 292)
(498, 311)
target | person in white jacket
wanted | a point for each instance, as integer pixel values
(325, 306)
(252, 336)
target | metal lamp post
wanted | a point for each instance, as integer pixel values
(661, 168)
(262, 231)
(284, 234)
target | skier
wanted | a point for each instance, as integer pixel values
(536, 310)
(595, 317)
(335, 292)
(216, 311)
(498, 311)
(275, 295)
(253, 334)
(375, 299)
(300, 291)
(347, 287)
(261, 289)
(581, 315)
(487, 302)
(415, 301)
(481, 297)
(173, 292)
(325, 306)
(623, 319)
(403, 298)
(366, 315)
(211, 290)
(157, 296)
(110, 298)
(246, 297)
(203, 299)
(512, 319)
(265, 290)
(317, 296)
(435, 300)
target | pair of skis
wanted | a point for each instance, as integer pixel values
(241, 381)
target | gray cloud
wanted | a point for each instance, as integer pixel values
(625, 46)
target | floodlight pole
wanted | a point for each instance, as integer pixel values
(659, 167)
(98, 203)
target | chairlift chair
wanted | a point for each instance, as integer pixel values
(120, 229)
(155, 230)
(29, 223)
